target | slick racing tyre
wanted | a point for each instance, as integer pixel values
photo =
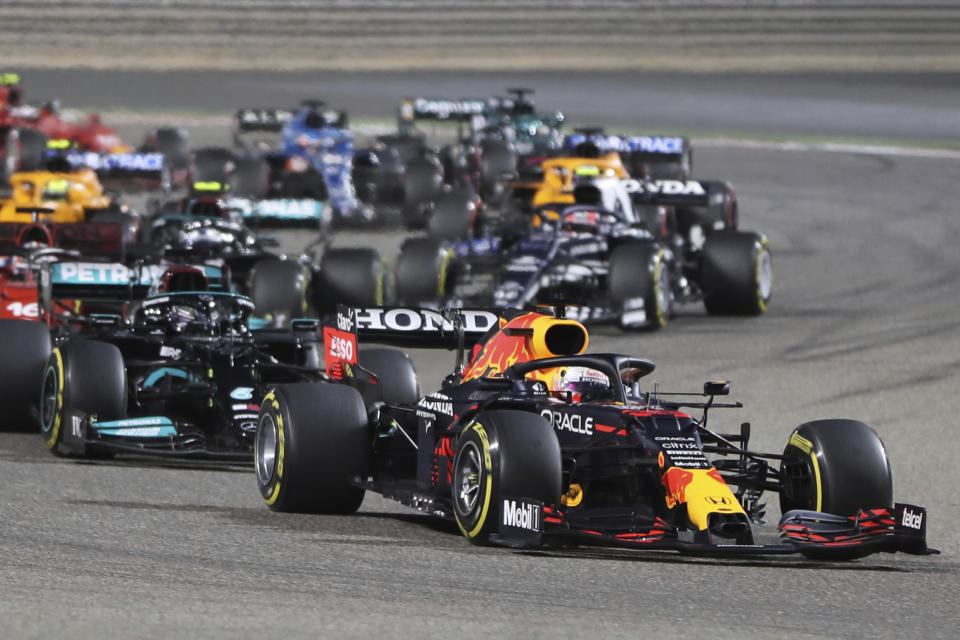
(250, 178)
(396, 383)
(312, 440)
(172, 142)
(453, 216)
(86, 376)
(423, 180)
(279, 290)
(835, 466)
(498, 161)
(640, 285)
(354, 277)
(33, 150)
(24, 350)
(212, 165)
(502, 454)
(696, 222)
(422, 268)
(736, 273)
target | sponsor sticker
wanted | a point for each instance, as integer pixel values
(340, 340)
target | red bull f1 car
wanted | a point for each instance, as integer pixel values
(534, 442)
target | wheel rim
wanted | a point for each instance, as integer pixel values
(468, 478)
(765, 276)
(266, 449)
(48, 399)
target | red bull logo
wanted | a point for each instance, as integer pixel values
(703, 491)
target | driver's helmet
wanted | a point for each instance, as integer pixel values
(579, 384)
(34, 237)
(586, 149)
(206, 208)
(177, 279)
(315, 120)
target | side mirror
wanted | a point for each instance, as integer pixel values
(716, 388)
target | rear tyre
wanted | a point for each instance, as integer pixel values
(86, 376)
(835, 466)
(422, 267)
(354, 277)
(250, 178)
(24, 350)
(397, 382)
(423, 180)
(454, 214)
(640, 285)
(212, 164)
(33, 150)
(173, 143)
(312, 440)
(279, 290)
(502, 454)
(498, 161)
(736, 273)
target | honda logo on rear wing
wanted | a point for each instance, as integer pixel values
(423, 327)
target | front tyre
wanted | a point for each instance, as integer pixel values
(86, 376)
(502, 454)
(835, 466)
(640, 285)
(312, 440)
(736, 273)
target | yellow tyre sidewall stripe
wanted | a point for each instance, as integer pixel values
(58, 415)
(762, 250)
(806, 446)
(271, 400)
(488, 489)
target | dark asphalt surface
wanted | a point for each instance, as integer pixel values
(863, 324)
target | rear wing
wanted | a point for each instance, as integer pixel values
(294, 211)
(89, 238)
(91, 280)
(115, 167)
(681, 193)
(264, 120)
(443, 109)
(403, 327)
(668, 146)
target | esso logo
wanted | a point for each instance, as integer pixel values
(21, 310)
(341, 348)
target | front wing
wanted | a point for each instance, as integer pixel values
(813, 534)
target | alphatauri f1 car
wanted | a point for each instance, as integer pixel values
(535, 442)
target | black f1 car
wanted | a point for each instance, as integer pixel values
(630, 256)
(177, 372)
(533, 442)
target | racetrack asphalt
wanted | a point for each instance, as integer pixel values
(863, 324)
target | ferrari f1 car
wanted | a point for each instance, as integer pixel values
(534, 442)
(176, 372)
(630, 252)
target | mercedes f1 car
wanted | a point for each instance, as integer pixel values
(535, 442)
(176, 372)
(210, 230)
